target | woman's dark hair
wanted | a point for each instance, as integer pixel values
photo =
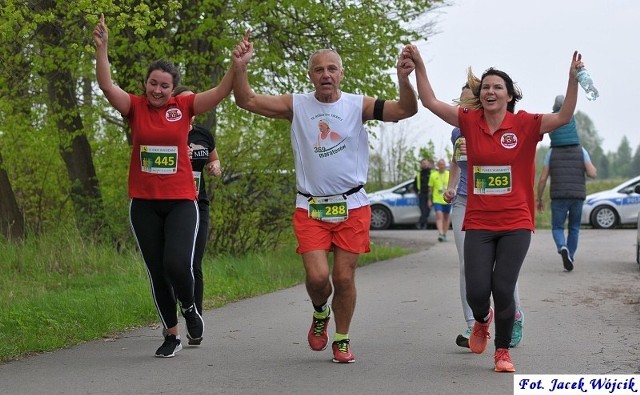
(180, 89)
(165, 66)
(512, 88)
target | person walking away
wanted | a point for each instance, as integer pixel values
(332, 209)
(568, 164)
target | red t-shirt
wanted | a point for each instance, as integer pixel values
(500, 170)
(160, 167)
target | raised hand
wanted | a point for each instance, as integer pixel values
(411, 51)
(405, 65)
(576, 64)
(101, 33)
(244, 50)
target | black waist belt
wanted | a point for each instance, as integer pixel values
(344, 195)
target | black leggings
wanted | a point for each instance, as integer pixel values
(492, 264)
(201, 244)
(166, 231)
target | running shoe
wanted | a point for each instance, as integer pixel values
(440, 237)
(318, 337)
(503, 361)
(194, 342)
(463, 339)
(342, 352)
(195, 324)
(169, 348)
(566, 259)
(480, 335)
(516, 333)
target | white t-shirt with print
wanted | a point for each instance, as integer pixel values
(330, 146)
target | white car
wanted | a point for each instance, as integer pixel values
(613, 207)
(396, 206)
(637, 190)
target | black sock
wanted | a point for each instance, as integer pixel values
(320, 309)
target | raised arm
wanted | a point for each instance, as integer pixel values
(555, 120)
(280, 106)
(118, 98)
(209, 99)
(445, 111)
(406, 106)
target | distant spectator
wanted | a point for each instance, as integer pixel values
(422, 188)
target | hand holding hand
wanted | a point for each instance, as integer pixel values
(101, 33)
(405, 64)
(243, 51)
(411, 51)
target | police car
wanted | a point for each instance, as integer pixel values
(613, 207)
(637, 190)
(396, 206)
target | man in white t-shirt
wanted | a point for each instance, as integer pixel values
(333, 212)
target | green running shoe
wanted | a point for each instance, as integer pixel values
(516, 333)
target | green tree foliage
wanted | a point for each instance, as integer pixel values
(541, 152)
(621, 160)
(42, 73)
(592, 142)
(66, 150)
(428, 152)
(394, 158)
(587, 132)
(635, 164)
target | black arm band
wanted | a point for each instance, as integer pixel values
(377, 109)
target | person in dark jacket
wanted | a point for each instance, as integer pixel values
(422, 188)
(567, 163)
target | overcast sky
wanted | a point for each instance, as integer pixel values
(533, 41)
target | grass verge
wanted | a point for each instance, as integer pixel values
(57, 291)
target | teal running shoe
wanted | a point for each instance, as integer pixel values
(516, 333)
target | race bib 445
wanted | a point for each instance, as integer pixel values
(159, 159)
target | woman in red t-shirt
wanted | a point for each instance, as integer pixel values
(163, 209)
(500, 211)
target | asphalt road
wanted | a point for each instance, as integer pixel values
(407, 317)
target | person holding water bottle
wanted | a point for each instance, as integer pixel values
(456, 194)
(500, 214)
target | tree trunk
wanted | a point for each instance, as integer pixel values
(74, 145)
(11, 220)
(76, 153)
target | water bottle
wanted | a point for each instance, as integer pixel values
(587, 84)
(457, 151)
